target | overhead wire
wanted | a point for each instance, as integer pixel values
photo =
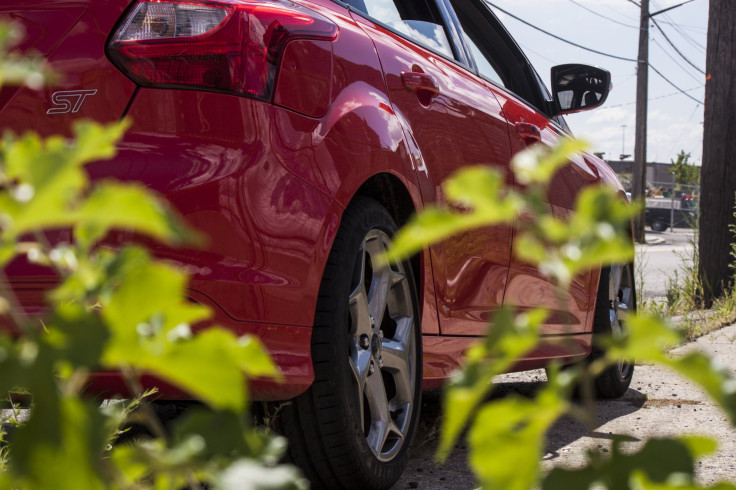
(559, 38)
(675, 61)
(679, 28)
(684, 128)
(672, 94)
(669, 41)
(675, 86)
(604, 16)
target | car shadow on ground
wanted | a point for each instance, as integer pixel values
(424, 472)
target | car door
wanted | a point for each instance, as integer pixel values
(453, 121)
(524, 102)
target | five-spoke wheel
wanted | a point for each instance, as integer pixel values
(353, 427)
(382, 351)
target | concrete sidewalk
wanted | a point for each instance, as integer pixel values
(659, 404)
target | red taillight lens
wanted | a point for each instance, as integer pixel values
(229, 46)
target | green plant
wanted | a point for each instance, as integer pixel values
(506, 436)
(115, 308)
(683, 171)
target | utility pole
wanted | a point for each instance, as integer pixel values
(639, 177)
(718, 173)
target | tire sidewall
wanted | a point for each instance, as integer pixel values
(331, 343)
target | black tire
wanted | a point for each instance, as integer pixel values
(616, 298)
(658, 225)
(354, 426)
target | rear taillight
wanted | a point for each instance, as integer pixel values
(227, 46)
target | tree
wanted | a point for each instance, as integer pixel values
(718, 173)
(685, 173)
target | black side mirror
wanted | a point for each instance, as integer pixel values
(578, 88)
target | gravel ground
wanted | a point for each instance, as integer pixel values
(658, 404)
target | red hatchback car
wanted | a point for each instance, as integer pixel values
(299, 136)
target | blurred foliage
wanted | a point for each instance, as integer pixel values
(684, 172)
(116, 308)
(507, 436)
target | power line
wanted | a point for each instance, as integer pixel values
(676, 49)
(678, 88)
(558, 37)
(677, 27)
(680, 30)
(591, 50)
(685, 69)
(672, 94)
(603, 16)
(674, 144)
(618, 12)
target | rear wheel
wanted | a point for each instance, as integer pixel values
(616, 299)
(353, 427)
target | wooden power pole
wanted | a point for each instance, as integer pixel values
(718, 173)
(639, 177)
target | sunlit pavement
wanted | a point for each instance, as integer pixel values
(663, 260)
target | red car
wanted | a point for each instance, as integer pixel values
(299, 137)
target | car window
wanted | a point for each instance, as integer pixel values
(419, 21)
(492, 47)
(482, 62)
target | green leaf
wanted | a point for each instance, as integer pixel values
(478, 194)
(94, 141)
(539, 163)
(60, 447)
(508, 436)
(227, 434)
(661, 461)
(206, 366)
(81, 334)
(128, 207)
(147, 289)
(699, 446)
(510, 337)
(51, 173)
(639, 481)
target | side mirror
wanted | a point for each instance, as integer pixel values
(577, 88)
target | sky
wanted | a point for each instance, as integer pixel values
(675, 122)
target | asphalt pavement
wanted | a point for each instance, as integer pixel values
(663, 260)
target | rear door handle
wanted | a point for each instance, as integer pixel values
(420, 82)
(530, 133)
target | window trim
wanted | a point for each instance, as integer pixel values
(458, 49)
(530, 77)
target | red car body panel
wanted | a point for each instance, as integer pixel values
(267, 181)
(462, 125)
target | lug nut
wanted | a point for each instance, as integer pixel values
(371, 368)
(364, 342)
(373, 321)
(380, 363)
